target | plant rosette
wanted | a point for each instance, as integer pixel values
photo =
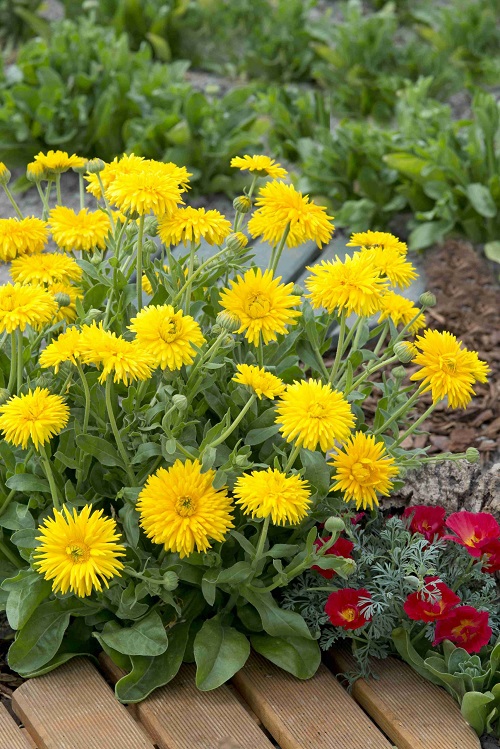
(171, 433)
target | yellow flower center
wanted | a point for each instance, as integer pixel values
(458, 631)
(8, 302)
(258, 305)
(78, 552)
(349, 613)
(185, 507)
(317, 411)
(448, 363)
(168, 330)
(363, 472)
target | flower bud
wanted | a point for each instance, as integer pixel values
(228, 342)
(399, 373)
(96, 257)
(334, 524)
(242, 203)
(4, 395)
(151, 225)
(413, 581)
(170, 580)
(93, 166)
(62, 299)
(92, 314)
(4, 174)
(80, 168)
(427, 299)
(472, 455)
(298, 290)
(180, 401)
(228, 322)
(241, 461)
(236, 241)
(405, 351)
(35, 172)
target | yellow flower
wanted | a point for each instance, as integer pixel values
(363, 468)
(280, 205)
(84, 230)
(271, 493)
(352, 285)
(260, 164)
(55, 162)
(262, 305)
(66, 347)
(179, 173)
(130, 164)
(400, 310)
(312, 414)
(46, 268)
(169, 337)
(35, 172)
(79, 551)
(377, 239)
(67, 313)
(25, 305)
(191, 224)
(151, 190)
(391, 263)
(263, 383)
(5, 174)
(180, 508)
(19, 237)
(448, 370)
(124, 359)
(37, 416)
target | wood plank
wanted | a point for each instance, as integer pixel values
(11, 736)
(73, 708)
(313, 714)
(414, 713)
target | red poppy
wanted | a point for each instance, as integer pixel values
(429, 521)
(466, 627)
(357, 518)
(341, 548)
(419, 607)
(474, 530)
(490, 553)
(345, 608)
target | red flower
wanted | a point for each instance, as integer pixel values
(341, 548)
(466, 627)
(490, 553)
(345, 608)
(429, 521)
(357, 518)
(474, 530)
(421, 609)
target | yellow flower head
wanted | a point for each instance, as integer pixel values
(351, 285)
(271, 493)
(263, 165)
(179, 173)
(55, 162)
(377, 239)
(313, 414)
(66, 347)
(130, 164)
(35, 172)
(84, 230)
(68, 312)
(181, 509)
(125, 360)
(20, 237)
(447, 369)
(400, 310)
(37, 416)
(391, 263)
(151, 190)
(262, 305)
(279, 206)
(363, 468)
(263, 383)
(25, 305)
(45, 268)
(79, 551)
(169, 337)
(191, 224)
(5, 174)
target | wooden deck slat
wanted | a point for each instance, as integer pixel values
(11, 736)
(73, 708)
(313, 714)
(414, 713)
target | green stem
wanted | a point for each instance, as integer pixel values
(227, 432)
(58, 189)
(382, 337)
(401, 411)
(184, 451)
(116, 433)
(43, 198)
(196, 273)
(340, 346)
(205, 358)
(81, 188)
(11, 556)
(13, 360)
(414, 426)
(292, 459)
(138, 279)
(108, 209)
(275, 258)
(50, 477)
(13, 202)
(47, 193)
(260, 353)
(321, 363)
(20, 363)
(86, 390)
(187, 299)
(66, 383)
(8, 499)
(261, 542)
(369, 371)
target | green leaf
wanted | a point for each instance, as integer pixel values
(277, 622)
(220, 651)
(28, 482)
(481, 200)
(146, 637)
(427, 234)
(296, 655)
(100, 449)
(17, 517)
(402, 641)
(492, 251)
(145, 451)
(258, 436)
(475, 708)
(26, 592)
(39, 640)
(317, 472)
(235, 575)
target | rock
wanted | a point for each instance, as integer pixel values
(455, 485)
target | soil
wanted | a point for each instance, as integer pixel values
(489, 742)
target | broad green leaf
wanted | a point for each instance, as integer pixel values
(235, 575)
(277, 622)
(220, 651)
(28, 482)
(296, 655)
(402, 641)
(317, 472)
(100, 449)
(146, 637)
(475, 708)
(481, 200)
(26, 592)
(492, 251)
(39, 640)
